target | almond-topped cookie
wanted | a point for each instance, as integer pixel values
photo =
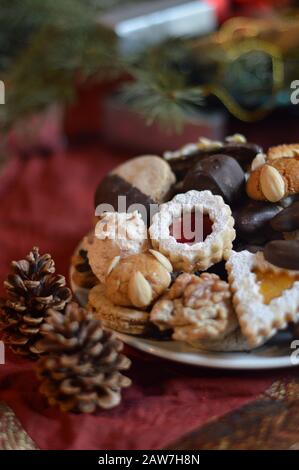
(283, 151)
(274, 180)
(265, 297)
(194, 230)
(138, 280)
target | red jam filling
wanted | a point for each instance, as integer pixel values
(191, 228)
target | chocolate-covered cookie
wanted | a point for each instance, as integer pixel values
(287, 220)
(143, 181)
(283, 253)
(289, 200)
(220, 174)
(252, 221)
(250, 248)
(183, 159)
(244, 153)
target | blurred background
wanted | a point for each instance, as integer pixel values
(147, 75)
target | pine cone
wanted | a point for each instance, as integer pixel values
(31, 288)
(80, 371)
(82, 275)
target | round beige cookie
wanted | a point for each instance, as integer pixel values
(138, 280)
(148, 173)
(125, 320)
(285, 150)
(116, 234)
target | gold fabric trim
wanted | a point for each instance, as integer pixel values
(12, 434)
(269, 423)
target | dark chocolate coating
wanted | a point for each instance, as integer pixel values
(252, 221)
(243, 153)
(251, 248)
(289, 200)
(112, 186)
(287, 220)
(283, 253)
(220, 174)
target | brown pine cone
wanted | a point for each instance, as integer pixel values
(31, 288)
(83, 275)
(80, 371)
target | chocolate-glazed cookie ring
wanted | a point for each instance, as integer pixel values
(197, 255)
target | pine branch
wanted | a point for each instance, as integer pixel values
(162, 95)
(163, 90)
(47, 72)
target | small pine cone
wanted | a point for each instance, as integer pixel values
(80, 370)
(82, 275)
(31, 288)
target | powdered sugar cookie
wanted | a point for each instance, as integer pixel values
(265, 297)
(207, 220)
(116, 234)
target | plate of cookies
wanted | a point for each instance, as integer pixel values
(194, 256)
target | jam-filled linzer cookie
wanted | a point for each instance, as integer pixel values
(208, 222)
(265, 296)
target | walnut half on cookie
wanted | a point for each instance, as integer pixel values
(196, 308)
(138, 280)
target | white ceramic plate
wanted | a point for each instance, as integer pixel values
(275, 354)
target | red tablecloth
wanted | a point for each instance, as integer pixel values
(49, 203)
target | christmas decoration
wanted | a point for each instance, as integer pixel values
(81, 369)
(248, 64)
(56, 42)
(31, 288)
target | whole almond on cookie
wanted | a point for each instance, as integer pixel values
(140, 291)
(138, 280)
(274, 180)
(272, 183)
